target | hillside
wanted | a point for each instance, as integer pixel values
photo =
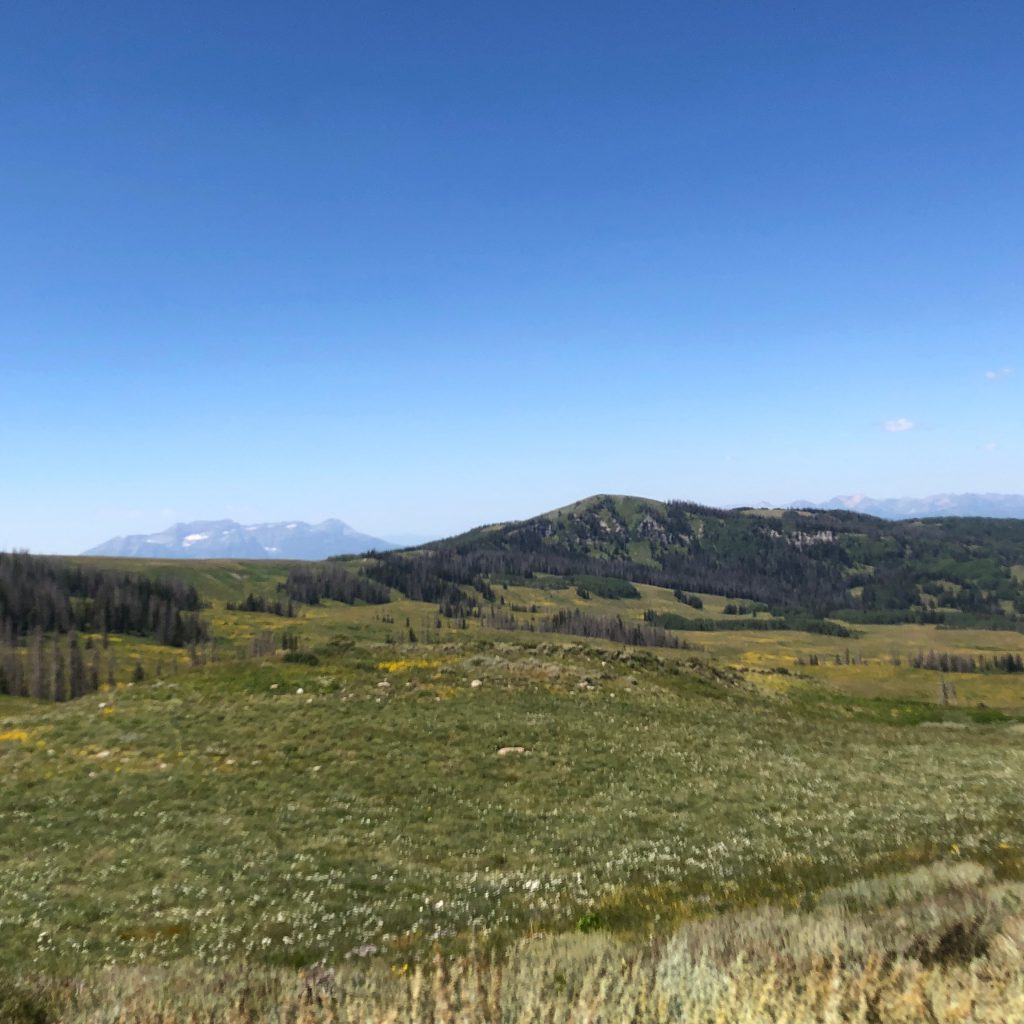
(945, 570)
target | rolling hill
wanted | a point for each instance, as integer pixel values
(816, 562)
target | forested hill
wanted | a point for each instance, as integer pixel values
(820, 562)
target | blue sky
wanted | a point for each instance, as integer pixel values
(421, 266)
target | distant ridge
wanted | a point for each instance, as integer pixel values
(224, 538)
(998, 506)
(813, 563)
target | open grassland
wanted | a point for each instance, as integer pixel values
(440, 821)
(940, 945)
(293, 813)
(218, 580)
(873, 662)
(548, 599)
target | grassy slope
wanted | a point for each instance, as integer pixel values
(219, 812)
(759, 654)
(222, 812)
(216, 579)
(940, 945)
(872, 650)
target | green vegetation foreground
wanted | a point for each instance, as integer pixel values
(389, 799)
(940, 945)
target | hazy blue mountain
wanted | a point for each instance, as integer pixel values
(1000, 506)
(224, 538)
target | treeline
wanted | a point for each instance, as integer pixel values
(744, 609)
(670, 620)
(1003, 622)
(58, 668)
(55, 596)
(890, 588)
(260, 603)
(607, 627)
(606, 586)
(577, 623)
(943, 662)
(997, 621)
(927, 566)
(895, 616)
(767, 561)
(330, 581)
(437, 575)
(311, 584)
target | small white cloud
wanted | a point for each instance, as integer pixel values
(990, 446)
(1002, 374)
(898, 426)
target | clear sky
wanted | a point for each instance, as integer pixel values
(424, 265)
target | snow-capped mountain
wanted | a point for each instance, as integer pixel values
(224, 538)
(1000, 506)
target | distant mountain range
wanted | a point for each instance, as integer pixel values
(224, 538)
(1000, 506)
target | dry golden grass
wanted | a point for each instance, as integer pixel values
(941, 945)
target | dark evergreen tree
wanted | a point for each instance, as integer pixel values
(76, 667)
(58, 667)
(36, 666)
(94, 670)
(59, 596)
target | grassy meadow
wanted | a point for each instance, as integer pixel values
(935, 944)
(421, 815)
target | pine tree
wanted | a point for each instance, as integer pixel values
(11, 672)
(36, 665)
(58, 674)
(76, 666)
